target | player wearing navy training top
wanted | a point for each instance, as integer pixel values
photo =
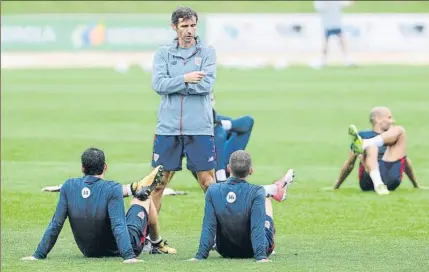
(382, 154)
(238, 216)
(95, 208)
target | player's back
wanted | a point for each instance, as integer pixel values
(232, 202)
(366, 134)
(87, 208)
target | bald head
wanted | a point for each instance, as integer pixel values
(381, 118)
(240, 164)
(378, 112)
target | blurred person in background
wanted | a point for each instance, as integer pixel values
(330, 15)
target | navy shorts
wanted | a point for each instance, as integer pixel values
(332, 32)
(169, 150)
(391, 174)
(137, 225)
(270, 233)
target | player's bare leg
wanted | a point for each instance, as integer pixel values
(396, 140)
(145, 204)
(370, 159)
(206, 178)
(325, 51)
(269, 207)
(154, 231)
(157, 193)
(344, 49)
(159, 246)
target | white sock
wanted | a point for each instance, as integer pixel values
(270, 190)
(377, 141)
(375, 177)
(226, 124)
(157, 240)
(221, 175)
(129, 191)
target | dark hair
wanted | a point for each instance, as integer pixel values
(240, 163)
(93, 161)
(183, 12)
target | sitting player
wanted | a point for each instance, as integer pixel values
(95, 208)
(239, 215)
(382, 154)
(230, 135)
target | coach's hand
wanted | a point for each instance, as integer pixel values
(29, 258)
(134, 260)
(264, 261)
(194, 77)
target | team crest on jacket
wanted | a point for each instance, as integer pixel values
(231, 197)
(198, 61)
(155, 157)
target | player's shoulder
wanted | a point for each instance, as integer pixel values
(215, 186)
(257, 189)
(71, 181)
(111, 183)
(367, 133)
(162, 51)
(163, 48)
(111, 187)
(208, 50)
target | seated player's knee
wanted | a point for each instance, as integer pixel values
(220, 134)
(399, 130)
(249, 121)
(372, 150)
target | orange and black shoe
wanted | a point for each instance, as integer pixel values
(162, 248)
(144, 187)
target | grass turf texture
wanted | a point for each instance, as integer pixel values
(12, 7)
(301, 118)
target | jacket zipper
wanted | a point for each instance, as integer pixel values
(181, 114)
(185, 61)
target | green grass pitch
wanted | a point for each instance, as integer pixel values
(48, 117)
(13, 7)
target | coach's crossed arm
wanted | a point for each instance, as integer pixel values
(162, 83)
(209, 68)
